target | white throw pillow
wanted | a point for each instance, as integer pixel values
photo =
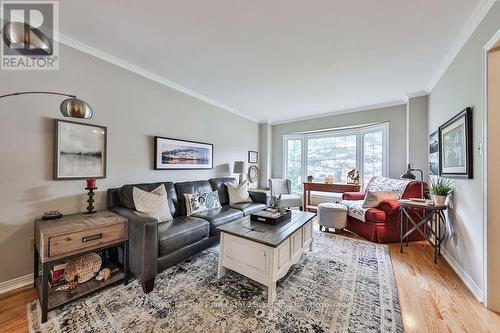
(238, 193)
(154, 203)
(196, 203)
(373, 199)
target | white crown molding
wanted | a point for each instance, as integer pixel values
(82, 47)
(471, 25)
(462, 274)
(415, 94)
(342, 111)
(16, 283)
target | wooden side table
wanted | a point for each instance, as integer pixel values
(325, 187)
(429, 217)
(58, 241)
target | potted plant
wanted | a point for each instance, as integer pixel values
(440, 188)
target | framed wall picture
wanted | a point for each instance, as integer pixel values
(253, 157)
(455, 146)
(80, 150)
(174, 154)
(434, 154)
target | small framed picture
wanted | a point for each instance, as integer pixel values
(434, 154)
(174, 154)
(253, 157)
(79, 150)
(455, 148)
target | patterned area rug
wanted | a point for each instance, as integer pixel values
(344, 285)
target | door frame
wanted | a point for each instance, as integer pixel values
(487, 47)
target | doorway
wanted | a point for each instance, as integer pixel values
(493, 176)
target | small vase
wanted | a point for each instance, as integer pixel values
(439, 199)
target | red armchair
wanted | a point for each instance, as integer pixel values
(382, 223)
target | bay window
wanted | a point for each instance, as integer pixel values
(334, 153)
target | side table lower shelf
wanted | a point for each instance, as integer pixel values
(60, 298)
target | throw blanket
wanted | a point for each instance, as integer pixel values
(377, 184)
(355, 209)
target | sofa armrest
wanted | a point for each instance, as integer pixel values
(353, 196)
(143, 243)
(259, 197)
(390, 207)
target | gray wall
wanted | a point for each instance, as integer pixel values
(461, 86)
(396, 115)
(133, 108)
(265, 135)
(418, 140)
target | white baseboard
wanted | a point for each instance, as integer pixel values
(473, 287)
(16, 283)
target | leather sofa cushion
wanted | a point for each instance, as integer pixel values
(219, 184)
(125, 193)
(180, 232)
(248, 207)
(375, 215)
(194, 187)
(218, 217)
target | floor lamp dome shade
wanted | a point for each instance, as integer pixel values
(26, 40)
(70, 107)
(76, 108)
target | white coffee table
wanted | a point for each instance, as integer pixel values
(263, 252)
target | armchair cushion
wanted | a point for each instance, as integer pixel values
(353, 196)
(291, 200)
(374, 215)
(390, 207)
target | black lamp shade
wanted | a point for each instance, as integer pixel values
(408, 175)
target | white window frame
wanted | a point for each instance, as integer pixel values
(358, 131)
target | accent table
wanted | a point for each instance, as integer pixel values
(325, 187)
(57, 241)
(264, 252)
(430, 217)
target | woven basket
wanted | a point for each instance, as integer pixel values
(84, 267)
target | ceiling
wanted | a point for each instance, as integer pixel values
(277, 60)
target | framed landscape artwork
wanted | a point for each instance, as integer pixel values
(455, 149)
(173, 154)
(434, 154)
(79, 150)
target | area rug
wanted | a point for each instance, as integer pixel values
(344, 285)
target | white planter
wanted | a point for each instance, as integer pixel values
(439, 199)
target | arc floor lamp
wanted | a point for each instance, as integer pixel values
(29, 41)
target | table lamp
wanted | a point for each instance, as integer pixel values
(240, 167)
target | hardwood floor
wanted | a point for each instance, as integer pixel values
(432, 297)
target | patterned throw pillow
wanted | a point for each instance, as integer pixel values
(373, 199)
(238, 193)
(154, 203)
(196, 203)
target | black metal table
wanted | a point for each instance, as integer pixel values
(422, 216)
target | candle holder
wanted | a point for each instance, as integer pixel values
(90, 200)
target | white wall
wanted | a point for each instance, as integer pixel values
(460, 87)
(133, 108)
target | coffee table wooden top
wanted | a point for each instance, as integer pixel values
(270, 235)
